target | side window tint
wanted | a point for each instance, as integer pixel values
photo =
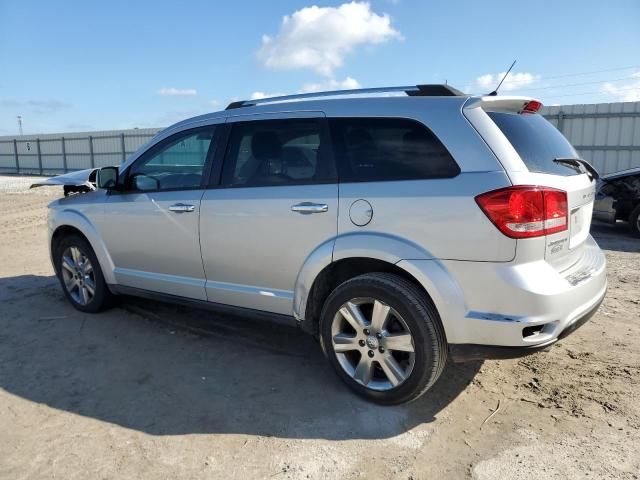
(178, 164)
(377, 149)
(276, 152)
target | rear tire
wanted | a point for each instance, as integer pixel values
(80, 275)
(384, 338)
(634, 221)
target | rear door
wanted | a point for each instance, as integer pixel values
(276, 203)
(539, 144)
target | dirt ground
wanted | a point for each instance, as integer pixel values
(148, 390)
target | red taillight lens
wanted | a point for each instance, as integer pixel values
(526, 211)
(532, 106)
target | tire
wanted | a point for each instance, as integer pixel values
(409, 311)
(634, 221)
(87, 276)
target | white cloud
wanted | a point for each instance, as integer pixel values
(177, 92)
(514, 81)
(331, 84)
(624, 93)
(319, 38)
(328, 84)
(261, 95)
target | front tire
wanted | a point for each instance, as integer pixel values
(80, 275)
(383, 336)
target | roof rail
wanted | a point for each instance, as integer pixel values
(411, 90)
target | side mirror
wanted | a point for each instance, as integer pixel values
(108, 178)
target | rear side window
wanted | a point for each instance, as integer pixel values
(537, 142)
(378, 149)
(276, 152)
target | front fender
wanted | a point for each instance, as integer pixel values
(76, 219)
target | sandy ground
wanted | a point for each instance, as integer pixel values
(149, 390)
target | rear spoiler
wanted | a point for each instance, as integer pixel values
(504, 104)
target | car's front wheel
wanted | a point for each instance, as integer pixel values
(80, 274)
(383, 337)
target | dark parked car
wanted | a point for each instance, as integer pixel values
(618, 198)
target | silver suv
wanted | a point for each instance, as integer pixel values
(403, 226)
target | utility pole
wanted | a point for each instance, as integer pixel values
(19, 117)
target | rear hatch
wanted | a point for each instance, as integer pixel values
(550, 161)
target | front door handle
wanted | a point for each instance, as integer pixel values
(182, 208)
(306, 208)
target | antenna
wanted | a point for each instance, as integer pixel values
(19, 117)
(495, 92)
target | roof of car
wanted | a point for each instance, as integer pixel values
(431, 90)
(331, 102)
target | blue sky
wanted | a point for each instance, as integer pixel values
(71, 65)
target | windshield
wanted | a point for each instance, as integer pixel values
(537, 142)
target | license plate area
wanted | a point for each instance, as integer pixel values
(579, 223)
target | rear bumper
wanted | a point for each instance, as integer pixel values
(519, 306)
(465, 352)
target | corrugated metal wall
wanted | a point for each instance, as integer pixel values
(605, 134)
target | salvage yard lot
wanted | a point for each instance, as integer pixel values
(149, 389)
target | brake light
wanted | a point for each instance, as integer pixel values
(526, 211)
(532, 106)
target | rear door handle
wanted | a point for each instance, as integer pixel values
(307, 208)
(182, 208)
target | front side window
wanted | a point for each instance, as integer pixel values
(378, 149)
(179, 164)
(276, 152)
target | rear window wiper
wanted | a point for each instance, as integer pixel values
(582, 165)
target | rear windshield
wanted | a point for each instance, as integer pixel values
(537, 142)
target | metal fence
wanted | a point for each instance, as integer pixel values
(605, 134)
(55, 154)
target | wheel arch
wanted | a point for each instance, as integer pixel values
(355, 252)
(69, 222)
(337, 272)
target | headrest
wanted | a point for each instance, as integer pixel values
(266, 145)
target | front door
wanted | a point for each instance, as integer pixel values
(151, 228)
(276, 203)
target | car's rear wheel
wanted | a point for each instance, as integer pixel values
(383, 337)
(80, 275)
(634, 221)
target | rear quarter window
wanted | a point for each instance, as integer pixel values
(537, 142)
(379, 149)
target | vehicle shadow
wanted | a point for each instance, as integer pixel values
(170, 370)
(615, 237)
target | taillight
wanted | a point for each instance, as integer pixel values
(532, 106)
(526, 211)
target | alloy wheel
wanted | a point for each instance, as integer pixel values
(373, 343)
(78, 275)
